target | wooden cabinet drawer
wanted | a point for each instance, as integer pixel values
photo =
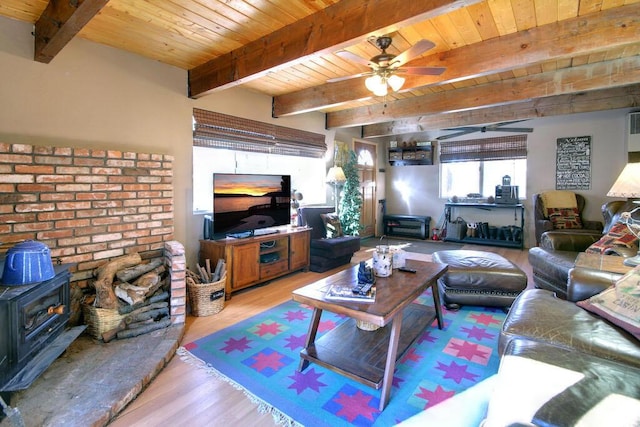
(273, 268)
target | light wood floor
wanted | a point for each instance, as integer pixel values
(185, 395)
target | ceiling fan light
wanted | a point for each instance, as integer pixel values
(381, 90)
(373, 83)
(377, 84)
(395, 82)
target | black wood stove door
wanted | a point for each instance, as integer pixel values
(31, 318)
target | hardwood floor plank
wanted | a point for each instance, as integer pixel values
(183, 394)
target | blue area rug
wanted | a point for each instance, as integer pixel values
(260, 355)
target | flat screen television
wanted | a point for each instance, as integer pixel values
(244, 203)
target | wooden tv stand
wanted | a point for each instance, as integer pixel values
(258, 259)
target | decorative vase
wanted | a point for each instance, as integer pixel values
(398, 257)
(382, 261)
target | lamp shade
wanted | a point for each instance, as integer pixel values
(628, 183)
(395, 82)
(374, 83)
(335, 175)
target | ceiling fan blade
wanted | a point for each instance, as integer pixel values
(345, 54)
(422, 71)
(453, 135)
(467, 128)
(499, 124)
(414, 51)
(511, 130)
(354, 76)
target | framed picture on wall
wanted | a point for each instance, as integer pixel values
(573, 163)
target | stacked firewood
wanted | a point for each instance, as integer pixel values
(205, 274)
(138, 290)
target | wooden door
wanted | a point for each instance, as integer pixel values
(299, 246)
(367, 155)
(245, 265)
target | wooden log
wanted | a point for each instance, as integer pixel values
(105, 296)
(155, 298)
(154, 306)
(136, 325)
(111, 333)
(129, 274)
(207, 263)
(151, 314)
(129, 333)
(150, 281)
(131, 296)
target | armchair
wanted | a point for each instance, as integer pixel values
(552, 260)
(543, 222)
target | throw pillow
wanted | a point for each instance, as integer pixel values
(559, 199)
(618, 235)
(619, 304)
(332, 225)
(563, 218)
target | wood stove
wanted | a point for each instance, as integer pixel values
(33, 319)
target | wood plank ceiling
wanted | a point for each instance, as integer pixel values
(504, 59)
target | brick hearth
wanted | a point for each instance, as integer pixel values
(90, 206)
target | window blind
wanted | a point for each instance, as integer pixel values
(217, 130)
(500, 148)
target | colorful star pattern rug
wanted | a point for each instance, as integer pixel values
(261, 354)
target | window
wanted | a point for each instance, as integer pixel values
(229, 144)
(307, 174)
(477, 166)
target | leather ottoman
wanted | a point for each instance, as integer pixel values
(478, 278)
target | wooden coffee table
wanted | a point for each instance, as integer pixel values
(369, 357)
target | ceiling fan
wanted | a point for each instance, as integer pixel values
(497, 127)
(385, 66)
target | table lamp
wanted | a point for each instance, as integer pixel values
(628, 186)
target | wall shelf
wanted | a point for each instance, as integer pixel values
(414, 155)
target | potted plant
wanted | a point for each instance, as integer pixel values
(351, 201)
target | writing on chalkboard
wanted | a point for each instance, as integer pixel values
(573, 163)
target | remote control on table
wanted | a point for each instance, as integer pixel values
(407, 269)
(362, 288)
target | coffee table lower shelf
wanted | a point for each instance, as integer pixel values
(361, 355)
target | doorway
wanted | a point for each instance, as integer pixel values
(366, 153)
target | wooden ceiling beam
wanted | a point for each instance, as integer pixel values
(600, 75)
(560, 40)
(580, 102)
(328, 30)
(59, 23)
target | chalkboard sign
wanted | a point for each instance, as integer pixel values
(573, 163)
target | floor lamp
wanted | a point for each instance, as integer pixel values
(335, 177)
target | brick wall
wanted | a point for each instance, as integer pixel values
(87, 205)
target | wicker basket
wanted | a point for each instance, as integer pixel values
(100, 320)
(366, 326)
(207, 298)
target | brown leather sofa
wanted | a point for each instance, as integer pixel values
(543, 328)
(558, 250)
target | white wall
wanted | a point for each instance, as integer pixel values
(609, 155)
(94, 96)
